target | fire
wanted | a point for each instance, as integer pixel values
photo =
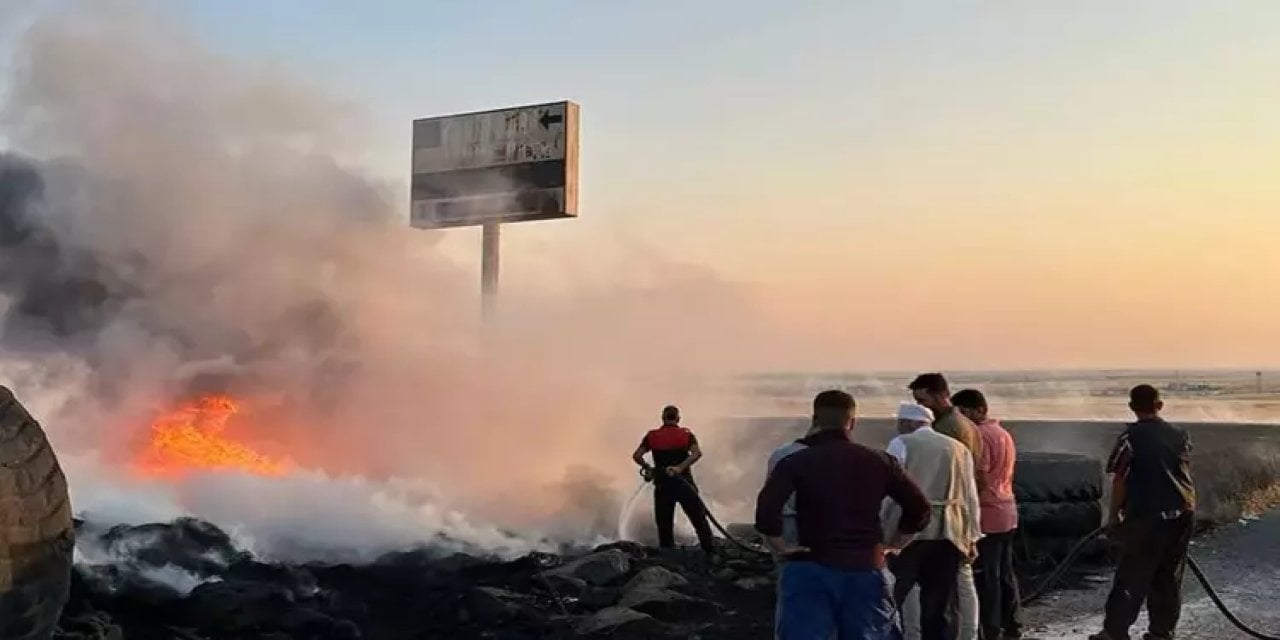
(192, 438)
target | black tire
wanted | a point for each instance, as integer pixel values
(31, 608)
(36, 543)
(1057, 477)
(1059, 519)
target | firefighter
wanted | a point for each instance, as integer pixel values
(675, 450)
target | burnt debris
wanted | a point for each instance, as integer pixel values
(186, 579)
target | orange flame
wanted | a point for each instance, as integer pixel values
(192, 438)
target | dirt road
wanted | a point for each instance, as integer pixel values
(1241, 560)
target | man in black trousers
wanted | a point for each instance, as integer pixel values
(675, 450)
(1152, 513)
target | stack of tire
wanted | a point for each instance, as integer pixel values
(1059, 502)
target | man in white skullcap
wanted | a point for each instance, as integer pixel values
(959, 510)
(911, 417)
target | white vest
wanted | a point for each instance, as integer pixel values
(944, 470)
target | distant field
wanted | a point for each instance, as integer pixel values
(1202, 396)
(1248, 408)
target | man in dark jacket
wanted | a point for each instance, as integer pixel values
(834, 581)
(1152, 512)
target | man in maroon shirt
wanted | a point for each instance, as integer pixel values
(835, 579)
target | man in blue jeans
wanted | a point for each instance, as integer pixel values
(834, 581)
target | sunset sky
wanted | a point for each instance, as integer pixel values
(1082, 183)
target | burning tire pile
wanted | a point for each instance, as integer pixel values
(618, 591)
(1059, 502)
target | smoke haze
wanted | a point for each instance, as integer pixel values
(174, 222)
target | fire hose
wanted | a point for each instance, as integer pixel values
(647, 474)
(1070, 559)
(1040, 590)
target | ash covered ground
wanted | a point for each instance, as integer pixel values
(187, 579)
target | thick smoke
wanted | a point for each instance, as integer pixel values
(173, 222)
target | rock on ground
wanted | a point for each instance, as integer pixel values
(617, 621)
(667, 605)
(596, 569)
(656, 578)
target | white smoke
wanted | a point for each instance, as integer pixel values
(301, 516)
(178, 221)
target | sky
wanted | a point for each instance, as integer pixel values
(1018, 184)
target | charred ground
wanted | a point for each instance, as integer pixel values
(618, 591)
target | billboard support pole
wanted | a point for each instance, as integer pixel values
(486, 168)
(490, 250)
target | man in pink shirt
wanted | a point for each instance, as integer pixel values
(993, 571)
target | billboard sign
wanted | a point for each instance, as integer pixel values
(507, 165)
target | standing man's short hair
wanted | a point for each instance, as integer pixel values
(971, 399)
(930, 390)
(834, 399)
(1144, 398)
(671, 413)
(833, 409)
(931, 383)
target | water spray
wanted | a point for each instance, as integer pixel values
(647, 479)
(629, 507)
